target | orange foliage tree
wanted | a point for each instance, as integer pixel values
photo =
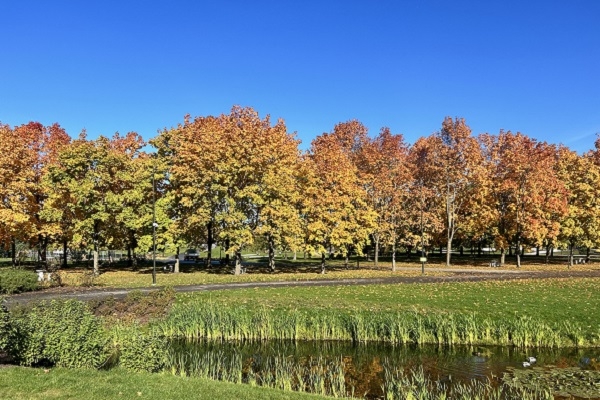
(336, 210)
(524, 190)
(236, 172)
(28, 151)
(386, 178)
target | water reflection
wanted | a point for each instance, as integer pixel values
(364, 364)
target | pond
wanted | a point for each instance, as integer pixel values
(368, 371)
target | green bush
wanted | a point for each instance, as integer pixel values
(62, 333)
(18, 280)
(5, 332)
(138, 350)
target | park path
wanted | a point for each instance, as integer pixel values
(457, 275)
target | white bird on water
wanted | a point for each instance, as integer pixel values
(531, 360)
(526, 364)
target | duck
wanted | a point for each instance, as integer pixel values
(531, 360)
(526, 364)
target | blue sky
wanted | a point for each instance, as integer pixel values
(107, 66)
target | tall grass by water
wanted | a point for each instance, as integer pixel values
(211, 321)
(327, 376)
(313, 375)
(414, 384)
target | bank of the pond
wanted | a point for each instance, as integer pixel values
(18, 383)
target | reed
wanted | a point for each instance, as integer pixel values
(211, 321)
(414, 384)
(313, 374)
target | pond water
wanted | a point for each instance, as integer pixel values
(364, 365)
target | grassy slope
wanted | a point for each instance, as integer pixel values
(30, 383)
(556, 300)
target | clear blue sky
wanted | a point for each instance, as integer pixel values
(529, 66)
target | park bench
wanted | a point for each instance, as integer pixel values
(494, 263)
(169, 268)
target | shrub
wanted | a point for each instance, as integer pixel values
(139, 350)
(18, 280)
(62, 333)
(5, 332)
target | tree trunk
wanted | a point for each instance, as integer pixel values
(441, 250)
(552, 251)
(537, 251)
(510, 250)
(209, 242)
(238, 263)
(65, 249)
(479, 249)
(571, 254)
(376, 240)
(461, 250)
(42, 246)
(587, 255)
(502, 256)
(176, 271)
(448, 251)
(295, 255)
(129, 259)
(227, 253)
(13, 249)
(96, 268)
(518, 252)
(393, 257)
(548, 253)
(271, 243)
(323, 263)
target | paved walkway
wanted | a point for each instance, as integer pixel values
(457, 275)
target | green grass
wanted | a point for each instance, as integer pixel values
(198, 275)
(550, 300)
(30, 383)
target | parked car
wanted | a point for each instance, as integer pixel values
(191, 255)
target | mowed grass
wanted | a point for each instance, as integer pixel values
(33, 383)
(287, 270)
(202, 276)
(550, 300)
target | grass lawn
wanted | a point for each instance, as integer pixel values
(287, 270)
(551, 300)
(31, 383)
(194, 275)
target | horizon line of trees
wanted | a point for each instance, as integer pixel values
(237, 179)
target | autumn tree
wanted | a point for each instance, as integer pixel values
(525, 189)
(581, 176)
(336, 209)
(277, 195)
(424, 201)
(386, 177)
(235, 173)
(88, 182)
(17, 178)
(452, 167)
(28, 152)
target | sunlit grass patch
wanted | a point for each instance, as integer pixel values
(201, 276)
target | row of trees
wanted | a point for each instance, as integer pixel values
(237, 178)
